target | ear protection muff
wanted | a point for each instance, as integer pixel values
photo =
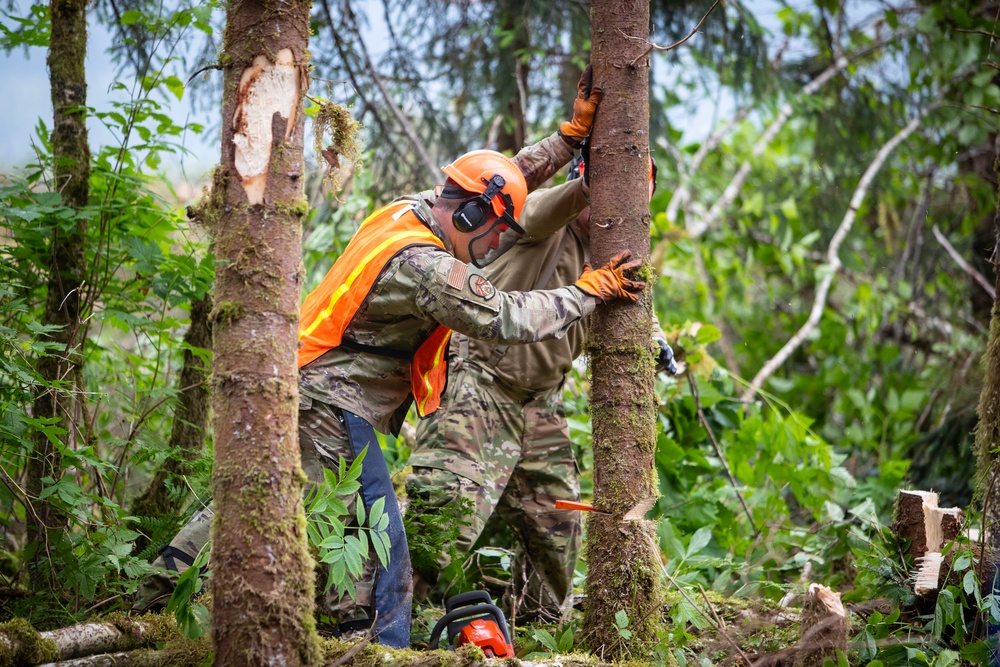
(473, 213)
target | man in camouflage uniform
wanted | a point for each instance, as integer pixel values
(500, 437)
(365, 378)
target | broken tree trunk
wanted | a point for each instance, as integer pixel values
(824, 628)
(918, 521)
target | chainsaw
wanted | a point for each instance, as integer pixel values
(472, 618)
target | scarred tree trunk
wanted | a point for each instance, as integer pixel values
(71, 178)
(187, 435)
(261, 569)
(623, 565)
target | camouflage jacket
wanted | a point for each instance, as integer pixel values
(423, 286)
(552, 215)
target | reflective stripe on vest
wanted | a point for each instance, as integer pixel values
(328, 310)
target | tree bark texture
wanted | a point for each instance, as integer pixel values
(262, 572)
(71, 178)
(988, 410)
(187, 436)
(622, 556)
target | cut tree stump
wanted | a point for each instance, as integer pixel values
(918, 520)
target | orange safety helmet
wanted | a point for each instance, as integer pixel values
(474, 171)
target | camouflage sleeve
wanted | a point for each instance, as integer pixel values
(461, 298)
(547, 211)
(539, 161)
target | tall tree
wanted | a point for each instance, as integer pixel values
(71, 178)
(621, 555)
(263, 574)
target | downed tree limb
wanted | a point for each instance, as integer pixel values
(189, 654)
(21, 645)
(833, 262)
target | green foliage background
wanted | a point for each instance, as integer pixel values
(800, 482)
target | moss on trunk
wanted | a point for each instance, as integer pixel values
(71, 177)
(262, 571)
(988, 410)
(622, 557)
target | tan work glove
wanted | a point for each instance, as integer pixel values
(588, 97)
(609, 281)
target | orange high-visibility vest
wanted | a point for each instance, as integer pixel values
(329, 308)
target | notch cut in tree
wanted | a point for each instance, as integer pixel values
(623, 560)
(262, 572)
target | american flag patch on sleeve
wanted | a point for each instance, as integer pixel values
(459, 270)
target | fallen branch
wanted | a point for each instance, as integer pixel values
(739, 179)
(833, 263)
(962, 264)
(23, 645)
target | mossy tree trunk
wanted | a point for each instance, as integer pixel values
(623, 565)
(988, 410)
(71, 178)
(262, 573)
(164, 496)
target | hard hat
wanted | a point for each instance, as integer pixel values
(474, 171)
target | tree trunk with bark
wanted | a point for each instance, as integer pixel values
(187, 435)
(262, 572)
(71, 178)
(988, 410)
(622, 558)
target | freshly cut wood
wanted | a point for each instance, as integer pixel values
(824, 627)
(927, 528)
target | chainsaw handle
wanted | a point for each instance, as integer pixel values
(478, 610)
(466, 599)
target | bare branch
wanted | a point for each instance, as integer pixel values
(962, 264)
(833, 264)
(653, 47)
(739, 179)
(979, 32)
(411, 133)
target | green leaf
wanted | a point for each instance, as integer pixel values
(545, 639)
(360, 506)
(621, 618)
(566, 641)
(699, 540)
(376, 513)
(175, 86)
(969, 583)
(131, 17)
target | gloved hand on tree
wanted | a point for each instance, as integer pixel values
(610, 281)
(665, 357)
(588, 97)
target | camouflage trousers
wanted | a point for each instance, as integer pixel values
(323, 440)
(508, 452)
